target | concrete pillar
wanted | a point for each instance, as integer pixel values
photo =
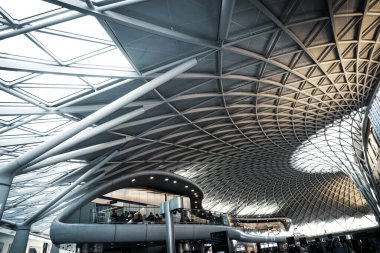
(21, 240)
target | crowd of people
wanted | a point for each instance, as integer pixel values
(363, 245)
(134, 217)
(117, 216)
(338, 246)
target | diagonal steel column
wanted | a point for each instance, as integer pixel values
(22, 160)
(22, 230)
(10, 169)
(82, 178)
(20, 240)
(71, 196)
(88, 133)
(74, 154)
(5, 186)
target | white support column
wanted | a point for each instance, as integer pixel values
(21, 239)
(74, 154)
(170, 240)
(54, 249)
(71, 187)
(89, 133)
(5, 186)
(167, 208)
(21, 162)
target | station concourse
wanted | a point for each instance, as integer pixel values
(261, 116)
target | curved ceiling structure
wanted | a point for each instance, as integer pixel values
(268, 122)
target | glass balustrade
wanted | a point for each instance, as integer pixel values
(137, 214)
(143, 214)
(150, 215)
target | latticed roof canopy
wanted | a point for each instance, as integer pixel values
(268, 122)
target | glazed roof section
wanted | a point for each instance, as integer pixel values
(32, 99)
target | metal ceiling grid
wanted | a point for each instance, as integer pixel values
(260, 123)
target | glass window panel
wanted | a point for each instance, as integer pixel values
(8, 98)
(5, 158)
(9, 76)
(81, 26)
(22, 46)
(8, 118)
(51, 95)
(96, 80)
(72, 47)
(15, 132)
(26, 177)
(21, 9)
(44, 125)
(112, 58)
(13, 198)
(56, 79)
(36, 199)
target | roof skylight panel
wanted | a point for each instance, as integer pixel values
(44, 126)
(4, 158)
(112, 58)
(41, 197)
(96, 80)
(21, 9)
(70, 43)
(7, 119)
(9, 76)
(51, 88)
(21, 46)
(8, 98)
(51, 95)
(17, 132)
(67, 48)
(81, 25)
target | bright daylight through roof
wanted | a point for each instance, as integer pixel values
(26, 95)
